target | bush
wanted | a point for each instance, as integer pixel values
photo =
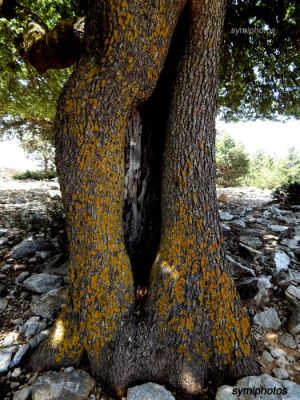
(268, 172)
(35, 175)
(288, 193)
(232, 161)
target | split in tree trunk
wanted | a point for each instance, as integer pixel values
(191, 328)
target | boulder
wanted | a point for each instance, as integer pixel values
(149, 391)
(42, 283)
(282, 260)
(28, 247)
(76, 385)
(268, 319)
(49, 304)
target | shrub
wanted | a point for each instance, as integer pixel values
(232, 161)
(35, 175)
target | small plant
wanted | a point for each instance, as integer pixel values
(35, 175)
(288, 193)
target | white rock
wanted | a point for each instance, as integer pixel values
(5, 357)
(280, 373)
(278, 228)
(276, 353)
(268, 319)
(282, 260)
(16, 373)
(19, 355)
(149, 391)
(266, 356)
(225, 216)
(22, 394)
(292, 293)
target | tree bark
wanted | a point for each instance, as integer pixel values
(192, 328)
(191, 293)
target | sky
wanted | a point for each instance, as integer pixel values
(275, 138)
(12, 156)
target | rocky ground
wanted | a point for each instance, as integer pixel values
(263, 252)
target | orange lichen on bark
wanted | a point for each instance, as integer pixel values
(186, 250)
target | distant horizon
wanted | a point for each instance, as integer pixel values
(272, 137)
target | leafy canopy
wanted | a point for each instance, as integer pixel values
(259, 72)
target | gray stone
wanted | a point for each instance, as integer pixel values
(268, 319)
(28, 247)
(264, 285)
(42, 283)
(3, 304)
(286, 277)
(281, 361)
(3, 241)
(36, 340)
(239, 222)
(278, 228)
(5, 267)
(277, 353)
(284, 389)
(49, 304)
(288, 341)
(293, 324)
(225, 216)
(254, 242)
(282, 260)
(33, 326)
(22, 394)
(23, 275)
(266, 356)
(76, 385)
(16, 373)
(149, 391)
(238, 270)
(292, 293)
(280, 373)
(5, 357)
(19, 355)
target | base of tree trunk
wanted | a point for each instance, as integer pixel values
(142, 352)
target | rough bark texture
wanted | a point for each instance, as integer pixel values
(191, 328)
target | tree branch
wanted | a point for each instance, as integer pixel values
(57, 48)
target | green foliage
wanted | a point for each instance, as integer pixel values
(288, 193)
(270, 172)
(23, 91)
(232, 161)
(35, 175)
(259, 71)
(260, 60)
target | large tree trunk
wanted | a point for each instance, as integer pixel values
(191, 327)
